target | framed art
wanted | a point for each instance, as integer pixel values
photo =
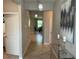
(67, 22)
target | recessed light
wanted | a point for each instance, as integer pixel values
(36, 15)
(40, 6)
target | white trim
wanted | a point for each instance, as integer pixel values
(77, 29)
(10, 12)
(20, 30)
(20, 57)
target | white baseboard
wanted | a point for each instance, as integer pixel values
(12, 52)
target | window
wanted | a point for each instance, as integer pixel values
(39, 23)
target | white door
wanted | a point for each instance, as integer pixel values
(12, 32)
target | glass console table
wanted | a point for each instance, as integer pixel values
(64, 54)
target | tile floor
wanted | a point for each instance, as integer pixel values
(38, 52)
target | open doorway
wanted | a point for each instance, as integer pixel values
(41, 25)
(36, 21)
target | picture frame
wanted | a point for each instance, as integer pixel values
(67, 22)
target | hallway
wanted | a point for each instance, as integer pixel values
(39, 29)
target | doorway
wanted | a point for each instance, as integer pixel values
(36, 21)
(42, 23)
(39, 31)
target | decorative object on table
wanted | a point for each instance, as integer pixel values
(58, 37)
(67, 23)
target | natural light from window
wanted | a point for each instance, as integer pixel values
(39, 23)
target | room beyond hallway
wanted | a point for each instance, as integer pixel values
(39, 38)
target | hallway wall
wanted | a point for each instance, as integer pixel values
(56, 30)
(32, 21)
(11, 4)
(48, 21)
(25, 30)
(71, 47)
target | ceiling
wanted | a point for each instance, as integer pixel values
(33, 4)
(39, 1)
(39, 13)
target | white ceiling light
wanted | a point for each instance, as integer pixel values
(36, 15)
(40, 6)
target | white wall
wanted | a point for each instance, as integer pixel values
(48, 19)
(25, 30)
(70, 46)
(10, 6)
(56, 28)
(77, 29)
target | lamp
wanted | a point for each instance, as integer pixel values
(64, 39)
